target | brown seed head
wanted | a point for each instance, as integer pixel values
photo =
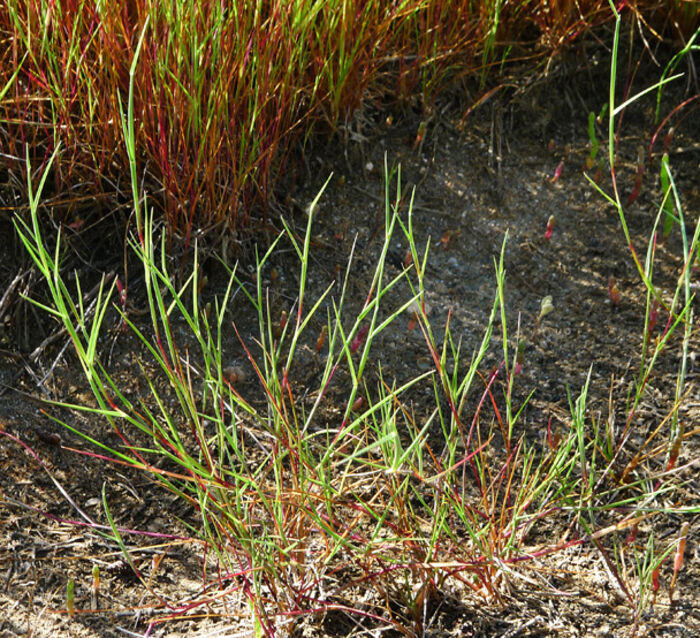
(234, 374)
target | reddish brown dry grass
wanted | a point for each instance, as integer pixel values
(221, 100)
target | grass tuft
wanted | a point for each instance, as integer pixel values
(298, 512)
(221, 97)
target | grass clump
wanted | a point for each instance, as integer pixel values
(373, 512)
(223, 94)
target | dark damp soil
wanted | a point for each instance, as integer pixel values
(476, 179)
